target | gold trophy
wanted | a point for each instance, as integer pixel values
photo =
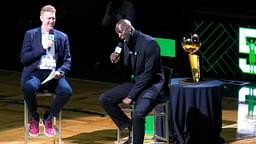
(191, 44)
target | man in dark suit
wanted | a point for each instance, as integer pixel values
(141, 53)
(45, 51)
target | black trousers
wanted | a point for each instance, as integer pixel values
(110, 101)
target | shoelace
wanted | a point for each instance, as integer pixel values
(34, 124)
(48, 123)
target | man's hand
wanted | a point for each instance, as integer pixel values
(58, 74)
(114, 57)
(127, 100)
(48, 45)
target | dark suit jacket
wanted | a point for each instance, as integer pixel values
(146, 66)
(32, 50)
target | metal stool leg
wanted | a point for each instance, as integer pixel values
(59, 127)
(167, 122)
(118, 135)
(129, 110)
(58, 130)
(164, 115)
(25, 123)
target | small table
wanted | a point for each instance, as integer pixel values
(196, 111)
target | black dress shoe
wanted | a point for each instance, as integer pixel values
(129, 141)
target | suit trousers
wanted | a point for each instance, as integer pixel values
(110, 101)
(60, 86)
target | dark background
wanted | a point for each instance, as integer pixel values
(90, 48)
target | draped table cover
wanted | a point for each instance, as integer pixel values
(195, 111)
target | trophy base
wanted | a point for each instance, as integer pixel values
(191, 81)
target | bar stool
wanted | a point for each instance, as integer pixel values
(57, 137)
(161, 115)
(128, 110)
(160, 112)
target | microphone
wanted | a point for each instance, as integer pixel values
(51, 35)
(116, 54)
(119, 47)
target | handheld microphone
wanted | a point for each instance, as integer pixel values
(119, 47)
(51, 35)
(51, 38)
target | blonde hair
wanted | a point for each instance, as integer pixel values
(47, 8)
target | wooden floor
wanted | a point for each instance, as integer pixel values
(84, 121)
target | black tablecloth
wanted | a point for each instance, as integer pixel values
(195, 111)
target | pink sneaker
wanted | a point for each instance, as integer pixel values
(49, 129)
(33, 128)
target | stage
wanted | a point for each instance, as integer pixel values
(85, 122)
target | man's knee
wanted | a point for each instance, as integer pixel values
(102, 98)
(65, 91)
(138, 116)
(28, 87)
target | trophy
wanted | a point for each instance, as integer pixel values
(191, 44)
